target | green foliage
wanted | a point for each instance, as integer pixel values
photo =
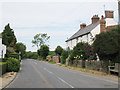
(13, 65)
(52, 53)
(22, 48)
(3, 67)
(40, 39)
(8, 37)
(64, 55)
(59, 50)
(31, 55)
(107, 45)
(9, 50)
(4, 59)
(38, 52)
(80, 51)
(14, 55)
(44, 51)
(52, 62)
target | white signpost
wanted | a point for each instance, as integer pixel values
(19, 56)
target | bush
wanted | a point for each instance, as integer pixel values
(3, 66)
(4, 59)
(0, 59)
(31, 55)
(13, 65)
(64, 55)
(14, 55)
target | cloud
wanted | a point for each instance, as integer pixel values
(60, 20)
(57, 1)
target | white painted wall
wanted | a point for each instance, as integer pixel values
(94, 32)
(84, 38)
(110, 22)
(2, 49)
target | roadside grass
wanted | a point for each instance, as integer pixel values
(84, 70)
(51, 62)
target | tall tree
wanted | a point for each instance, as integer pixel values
(40, 39)
(8, 37)
(44, 51)
(59, 50)
(20, 47)
(107, 45)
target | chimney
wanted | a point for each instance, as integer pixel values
(83, 25)
(95, 18)
(102, 25)
(109, 14)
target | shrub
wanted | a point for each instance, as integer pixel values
(4, 59)
(31, 55)
(3, 66)
(64, 55)
(14, 55)
(13, 65)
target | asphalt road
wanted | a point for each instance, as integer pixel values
(39, 74)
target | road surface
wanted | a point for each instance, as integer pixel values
(39, 74)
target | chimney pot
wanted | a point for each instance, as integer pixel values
(83, 25)
(95, 18)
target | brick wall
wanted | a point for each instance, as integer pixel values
(55, 59)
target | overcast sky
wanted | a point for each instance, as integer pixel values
(59, 19)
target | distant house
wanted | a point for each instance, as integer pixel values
(87, 32)
(2, 48)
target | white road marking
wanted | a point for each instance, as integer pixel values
(35, 62)
(59, 78)
(48, 71)
(64, 82)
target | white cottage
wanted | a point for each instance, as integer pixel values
(86, 33)
(2, 48)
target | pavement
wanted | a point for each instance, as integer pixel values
(40, 74)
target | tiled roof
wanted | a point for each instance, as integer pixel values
(84, 31)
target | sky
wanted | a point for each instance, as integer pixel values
(60, 19)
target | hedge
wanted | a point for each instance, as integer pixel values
(14, 55)
(3, 67)
(13, 65)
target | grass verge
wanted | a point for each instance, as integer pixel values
(51, 62)
(85, 70)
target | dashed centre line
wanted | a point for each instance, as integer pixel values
(59, 78)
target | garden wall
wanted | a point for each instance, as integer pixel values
(93, 65)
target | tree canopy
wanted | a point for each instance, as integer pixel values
(20, 47)
(8, 37)
(44, 51)
(40, 39)
(107, 45)
(59, 50)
